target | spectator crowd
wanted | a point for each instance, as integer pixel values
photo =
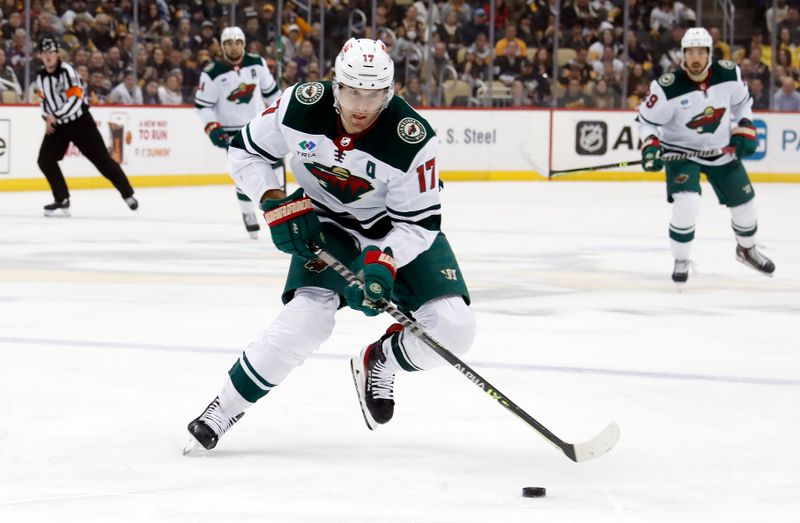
(442, 57)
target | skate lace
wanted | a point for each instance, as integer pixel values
(755, 256)
(381, 382)
(217, 420)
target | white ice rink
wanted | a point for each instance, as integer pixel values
(117, 328)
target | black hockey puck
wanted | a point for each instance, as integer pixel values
(533, 492)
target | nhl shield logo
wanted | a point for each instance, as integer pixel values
(411, 130)
(591, 138)
(309, 93)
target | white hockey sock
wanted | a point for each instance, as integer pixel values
(245, 205)
(685, 208)
(745, 224)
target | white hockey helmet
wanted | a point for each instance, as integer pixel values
(364, 64)
(231, 33)
(697, 37)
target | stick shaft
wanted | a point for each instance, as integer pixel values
(667, 158)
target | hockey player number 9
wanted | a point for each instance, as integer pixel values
(651, 101)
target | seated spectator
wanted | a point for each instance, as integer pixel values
(440, 60)
(289, 77)
(575, 97)
(510, 36)
(101, 34)
(97, 63)
(159, 62)
(183, 38)
(303, 58)
(98, 88)
(412, 94)
(150, 95)
(253, 31)
(787, 98)
(671, 53)
(312, 72)
(579, 67)
(781, 13)
(415, 30)
(526, 32)
(760, 69)
(170, 92)
(460, 8)
(636, 76)
(115, 65)
(608, 58)
(450, 33)
(536, 82)
(638, 53)
(480, 48)
(792, 23)
(760, 97)
(722, 51)
(668, 14)
(578, 12)
(509, 66)
(473, 69)
(127, 92)
(476, 26)
(606, 39)
(604, 96)
(9, 27)
(8, 79)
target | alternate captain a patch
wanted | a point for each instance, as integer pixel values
(309, 93)
(411, 130)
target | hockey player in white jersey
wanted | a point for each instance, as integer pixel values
(231, 92)
(369, 194)
(703, 106)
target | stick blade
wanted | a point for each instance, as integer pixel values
(597, 446)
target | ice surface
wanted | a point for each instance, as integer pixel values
(117, 328)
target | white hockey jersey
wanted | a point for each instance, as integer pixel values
(233, 95)
(689, 117)
(381, 185)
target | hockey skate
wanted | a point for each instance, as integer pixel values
(754, 259)
(251, 224)
(207, 428)
(58, 209)
(132, 203)
(680, 274)
(374, 383)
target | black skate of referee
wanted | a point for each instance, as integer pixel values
(67, 117)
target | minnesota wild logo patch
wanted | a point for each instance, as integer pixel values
(309, 93)
(411, 130)
(339, 182)
(707, 121)
(242, 94)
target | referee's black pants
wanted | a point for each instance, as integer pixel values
(84, 134)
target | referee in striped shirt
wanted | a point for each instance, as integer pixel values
(67, 119)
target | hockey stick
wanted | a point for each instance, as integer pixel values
(597, 446)
(667, 158)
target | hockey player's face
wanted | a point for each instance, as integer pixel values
(234, 50)
(695, 59)
(359, 107)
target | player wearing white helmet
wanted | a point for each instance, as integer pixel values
(369, 193)
(703, 106)
(231, 92)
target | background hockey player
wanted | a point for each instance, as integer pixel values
(366, 164)
(231, 92)
(692, 110)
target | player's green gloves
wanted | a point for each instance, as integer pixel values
(217, 135)
(651, 154)
(292, 223)
(743, 138)
(377, 270)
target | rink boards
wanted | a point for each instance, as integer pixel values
(167, 146)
